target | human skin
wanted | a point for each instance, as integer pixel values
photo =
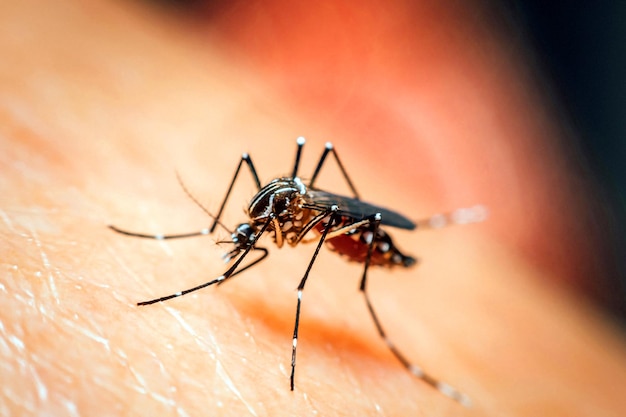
(102, 103)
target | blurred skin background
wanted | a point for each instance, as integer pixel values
(580, 49)
(324, 64)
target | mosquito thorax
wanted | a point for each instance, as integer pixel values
(282, 199)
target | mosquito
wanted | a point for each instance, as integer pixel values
(293, 212)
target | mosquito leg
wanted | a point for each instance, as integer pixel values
(465, 215)
(333, 215)
(244, 158)
(330, 149)
(264, 255)
(300, 141)
(441, 386)
(228, 274)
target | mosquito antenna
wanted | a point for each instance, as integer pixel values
(195, 200)
(300, 141)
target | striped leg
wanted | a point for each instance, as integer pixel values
(443, 387)
(244, 158)
(329, 148)
(333, 216)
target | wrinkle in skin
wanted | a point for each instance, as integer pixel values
(14, 346)
(166, 248)
(7, 221)
(210, 346)
(71, 408)
(76, 324)
(26, 366)
(220, 371)
(170, 400)
(42, 391)
(313, 409)
(188, 328)
(90, 334)
(119, 260)
(223, 375)
(48, 322)
(47, 266)
(141, 384)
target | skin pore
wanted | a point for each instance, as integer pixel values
(103, 103)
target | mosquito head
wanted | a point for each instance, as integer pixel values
(243, 236)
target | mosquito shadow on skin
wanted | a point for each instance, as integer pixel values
(315, 332)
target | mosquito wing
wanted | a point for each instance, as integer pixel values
(358, 209)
